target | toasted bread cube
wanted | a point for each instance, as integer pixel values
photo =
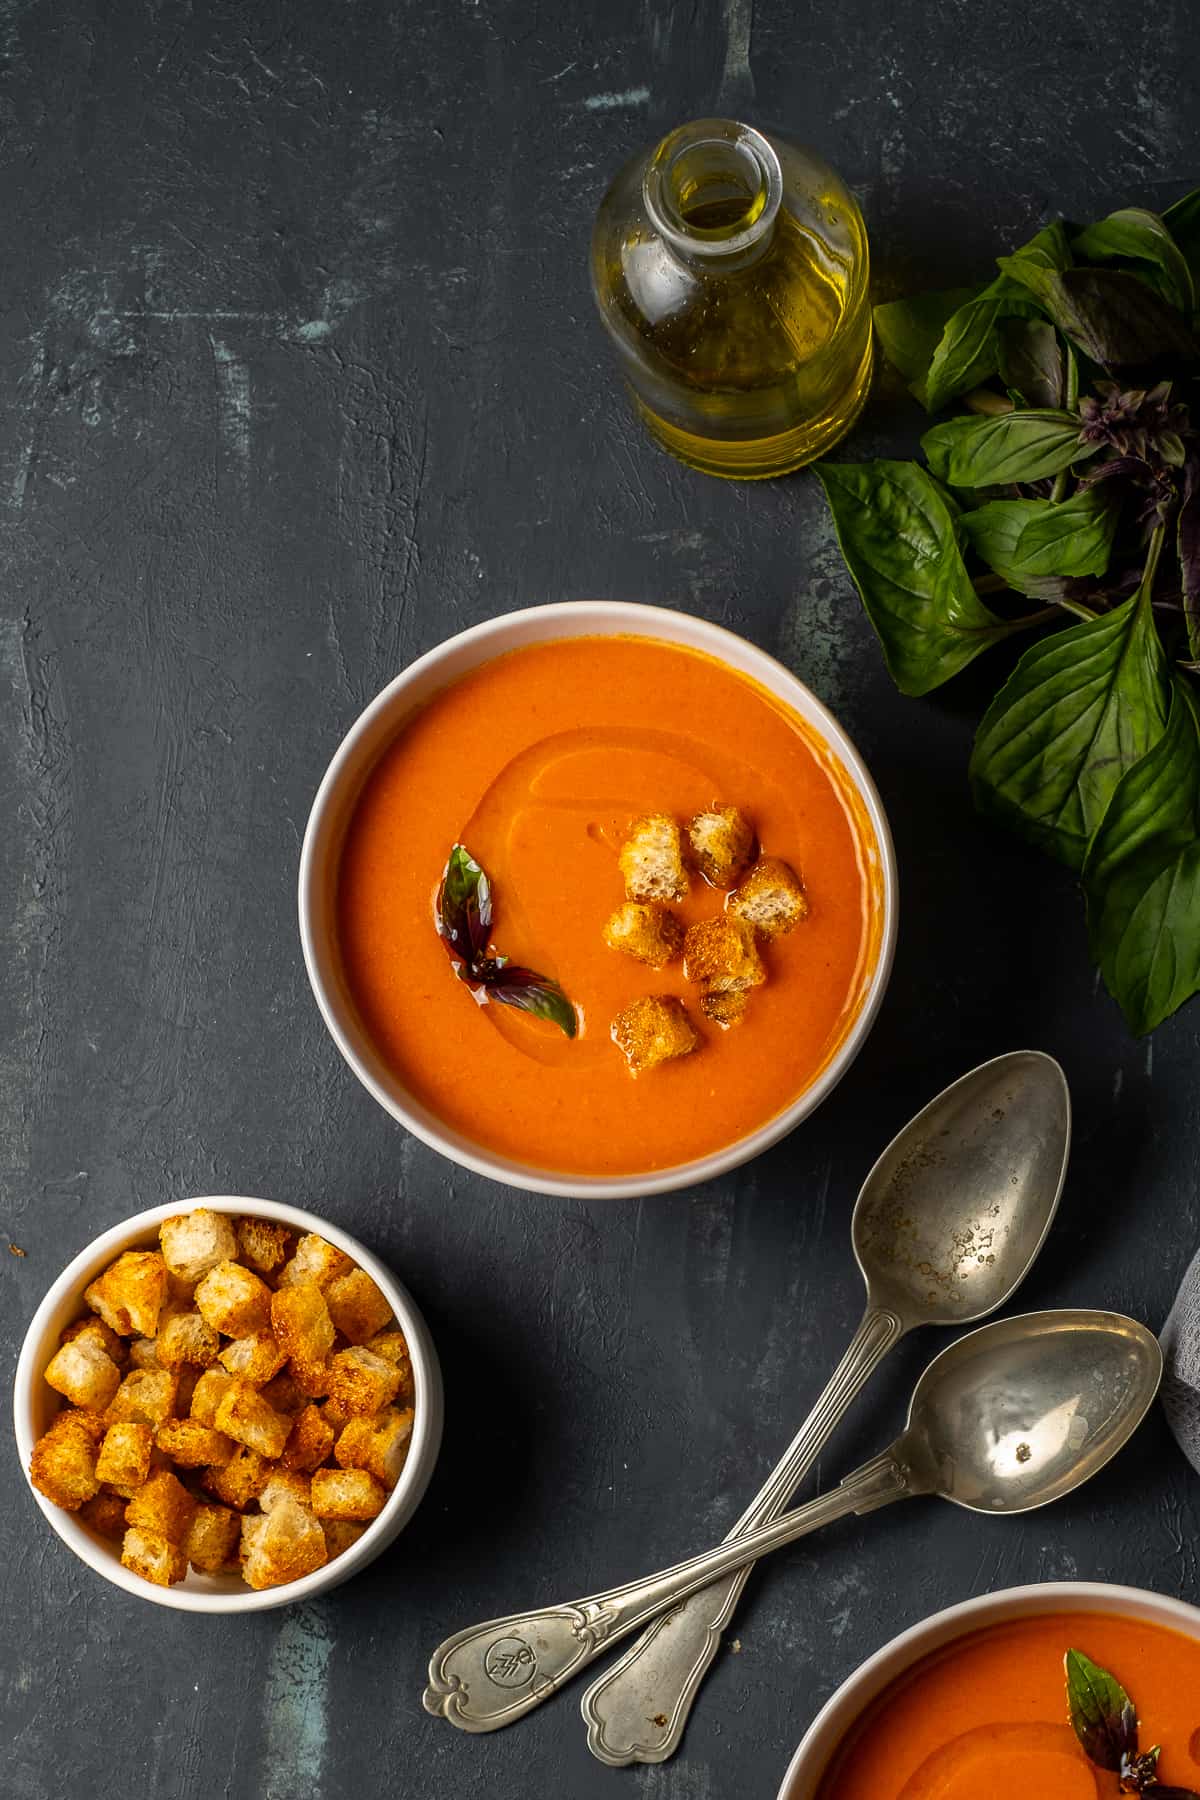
(356, 1306)
(100, 1334)
(315, 1260)
(312, 1379)
(722, 843)
(361, 1382)
(771, 898)
(195, 1242)
(301, 1323)
(651, 860)
(211, 1541)
(285, 1484)
(84, 1373)
(340, 1534)
(143, 1354)
(283, 1393)
(147, 1396)
(652, 1030)
(264, 1245)
(246, 1417)
(129, 1294)
(721, 956)
(646, 930)
(240, 1480)
(347, 1494)
(105, 1513)
(393, 1347)
(192, 1445)
(186, 1337)
(124, 1459)
(281, 1545)
(207, 1394)
(235, 1301)
(335, 1416)
(724, 1008)
(162, 1506)
(256, 1358)
(378, 1444)
(153, 1557)
(310, 1441)
(63, 1464)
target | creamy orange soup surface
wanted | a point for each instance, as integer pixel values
(987, 1717)
(538, 762)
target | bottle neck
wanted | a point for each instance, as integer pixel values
(712, 191)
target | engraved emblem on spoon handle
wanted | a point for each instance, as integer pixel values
(636, 1711)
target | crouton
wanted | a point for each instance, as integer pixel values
(281, 1545)
(146, 1396)
(335, 1416)
(309, 1442)
(256, 1358)
(100, 1334)
(84, 1373)
(393, 1347)
(283, 1393)
(264, 1245)
(721, 957)
(356, 1306)
(195, 1242)
(124, 1459)
(652, 1030)
(284, 1484)
(239, 1481)
(361, 1382)
(105, 1513)
(153, 1557)
(143, 1354)
(347, 1494)
(311, 1378)
(340, 1534)
(193, 1445)
(245, 1416)
(315, 1260)
(724, 1008)
(206, 1396)
(161, 1506)
(722, 843)
(378, 1444)
(63, 1464)
(771, 898)
(301, 1323)
(210, 1543)
(186, 1337)
(234, 1301)
(129, 1294)
(646, 930)
(651, 860)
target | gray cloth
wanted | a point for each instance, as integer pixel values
(1181, 1381)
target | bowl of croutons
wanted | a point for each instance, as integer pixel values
(227, 1405)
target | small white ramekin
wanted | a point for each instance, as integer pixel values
(35, 1403)
(844, 1708)
(376, 728)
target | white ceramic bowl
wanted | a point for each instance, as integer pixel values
(842, 1711)
(376, 728)
(34, 1404)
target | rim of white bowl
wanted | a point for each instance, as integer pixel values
(579, 618)
(428, 1409)
(847, 1703)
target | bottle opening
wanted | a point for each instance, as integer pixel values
(713, 188)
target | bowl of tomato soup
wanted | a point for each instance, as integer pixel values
(972, 1703)
(532, 746)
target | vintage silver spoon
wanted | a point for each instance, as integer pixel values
(1014, 1415)
(946, 1227)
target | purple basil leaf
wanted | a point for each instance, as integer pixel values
(1159, 1792)
(1102, 1714)
(1117, 320)
(1187, 541)
(464, 910)
(532, 993)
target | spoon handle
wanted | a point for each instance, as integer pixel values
(490, 1675)
(636, 1711)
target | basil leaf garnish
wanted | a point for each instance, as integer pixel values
(1102, 1714)
(464, 922)
(515, 986)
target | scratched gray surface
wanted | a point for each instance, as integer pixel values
(298, 375)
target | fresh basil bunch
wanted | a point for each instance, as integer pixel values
(1068, 494)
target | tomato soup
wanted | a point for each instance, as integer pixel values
(988, 1715)
(538, 762)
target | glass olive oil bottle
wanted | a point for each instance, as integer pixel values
(730, 270)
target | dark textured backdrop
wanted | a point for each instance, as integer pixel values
(299, 374)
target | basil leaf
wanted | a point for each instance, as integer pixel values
(910, 330)
(533, 993)
(1183, 222)
(1140, 236)
(1187, 545)
(1114, 318)
(1031, 541)
(1078, 710)
(1016, 446)
(1142, 876)
(1047, 249)
(1102, 1714)
(900, 541)
(1156, 1791)
(1031, 361)
(967, 354)
(464, 907)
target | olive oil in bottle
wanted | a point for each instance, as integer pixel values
(730, 270)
